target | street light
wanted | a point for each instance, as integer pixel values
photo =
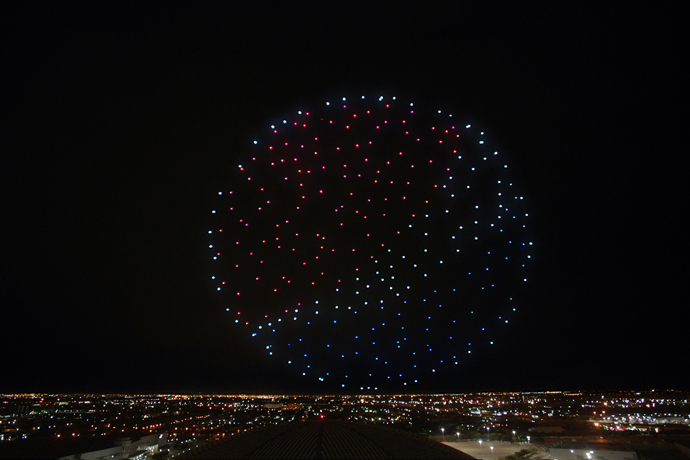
(443, 433)
(492, 450)
(458, 435)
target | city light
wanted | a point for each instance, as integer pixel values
(501, 419)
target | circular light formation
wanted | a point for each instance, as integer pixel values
(370, 243)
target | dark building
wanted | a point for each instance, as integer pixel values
(326, 439)
(88, 448)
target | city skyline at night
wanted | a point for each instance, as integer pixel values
(537, 424)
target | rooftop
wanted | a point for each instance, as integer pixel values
(326, 439)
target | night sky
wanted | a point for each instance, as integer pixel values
(123, 123)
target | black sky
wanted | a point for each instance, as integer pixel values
(122, 120)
